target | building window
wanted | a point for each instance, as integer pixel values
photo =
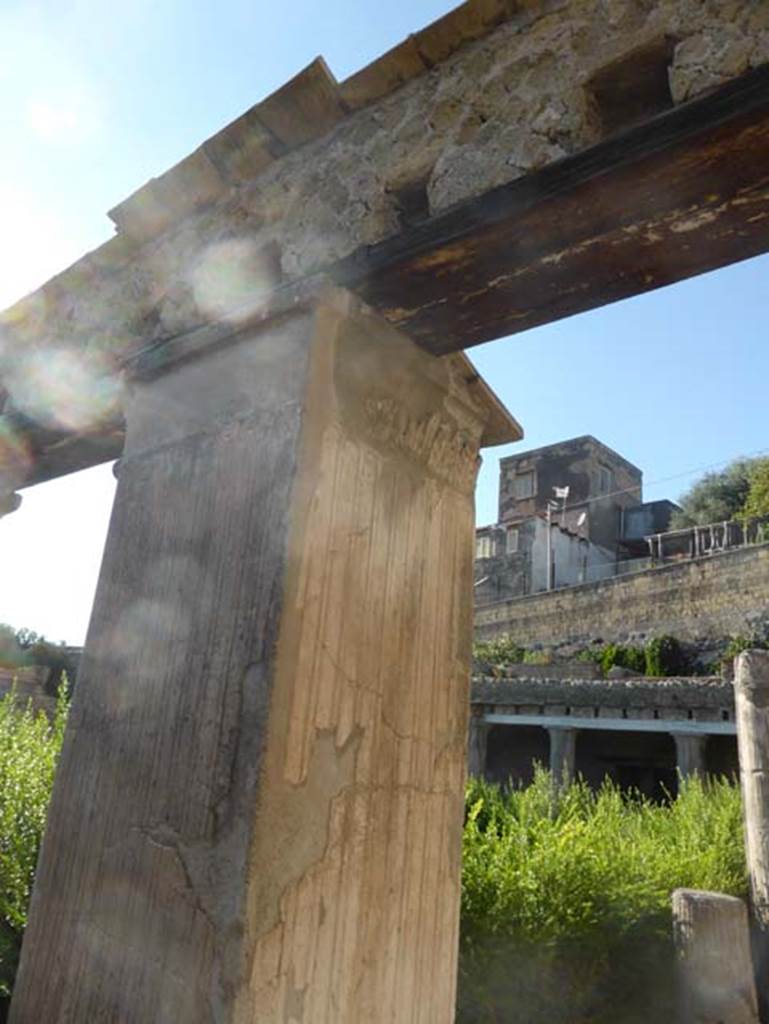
(523, 485)
(511, 545)
(605, 480)
(483, 548)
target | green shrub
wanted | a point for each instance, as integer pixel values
(29, 750)
(626, 657)
(566, 901)
(591, 654)
(664, 657)
(757, 500)
(742, 642)
(537, 658)
(500, 651)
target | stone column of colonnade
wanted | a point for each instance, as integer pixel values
(563, 746)
(257, 816)
(478, 738)
(690, 754)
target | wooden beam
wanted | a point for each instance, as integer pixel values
(683, 193)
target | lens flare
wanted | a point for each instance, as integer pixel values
(232, 278)
(62, 389)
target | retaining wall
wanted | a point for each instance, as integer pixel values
(702, 601)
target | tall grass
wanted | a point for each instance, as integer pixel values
(29, 750)
(566, 901)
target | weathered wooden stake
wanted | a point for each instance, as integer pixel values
(715, 971)
(257, 817)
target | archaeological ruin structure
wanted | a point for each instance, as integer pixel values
(257, 815)
(642, 734)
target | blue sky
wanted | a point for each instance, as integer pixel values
(96, 98)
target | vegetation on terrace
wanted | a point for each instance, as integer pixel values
(661, 656)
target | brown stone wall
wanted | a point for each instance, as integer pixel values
(697, 601)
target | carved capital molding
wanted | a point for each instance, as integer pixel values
(434, 441)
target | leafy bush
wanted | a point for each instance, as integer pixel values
(664, 657)
(566, 900)
(757, 500)
(537, 658)
(500, 651)
(590, 654)
(29, 750)
(739, 643)
(626, 657)
(716, 497)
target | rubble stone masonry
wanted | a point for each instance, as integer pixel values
(701, 602)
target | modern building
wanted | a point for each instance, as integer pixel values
(569, 513)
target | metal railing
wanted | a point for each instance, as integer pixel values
(698, 541)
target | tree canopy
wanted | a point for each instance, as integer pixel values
(741, 488)
(757, 501)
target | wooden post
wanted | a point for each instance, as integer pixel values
(751, 693)
(690, 754)
(258, 812)
(477, 744)
(563, 743)
(715, 971)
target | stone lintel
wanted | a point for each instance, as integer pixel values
(637, 696)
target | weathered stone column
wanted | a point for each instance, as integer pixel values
(563, 746)
(476, 745)
(258, 812)
(751, 698)
(690, 754)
